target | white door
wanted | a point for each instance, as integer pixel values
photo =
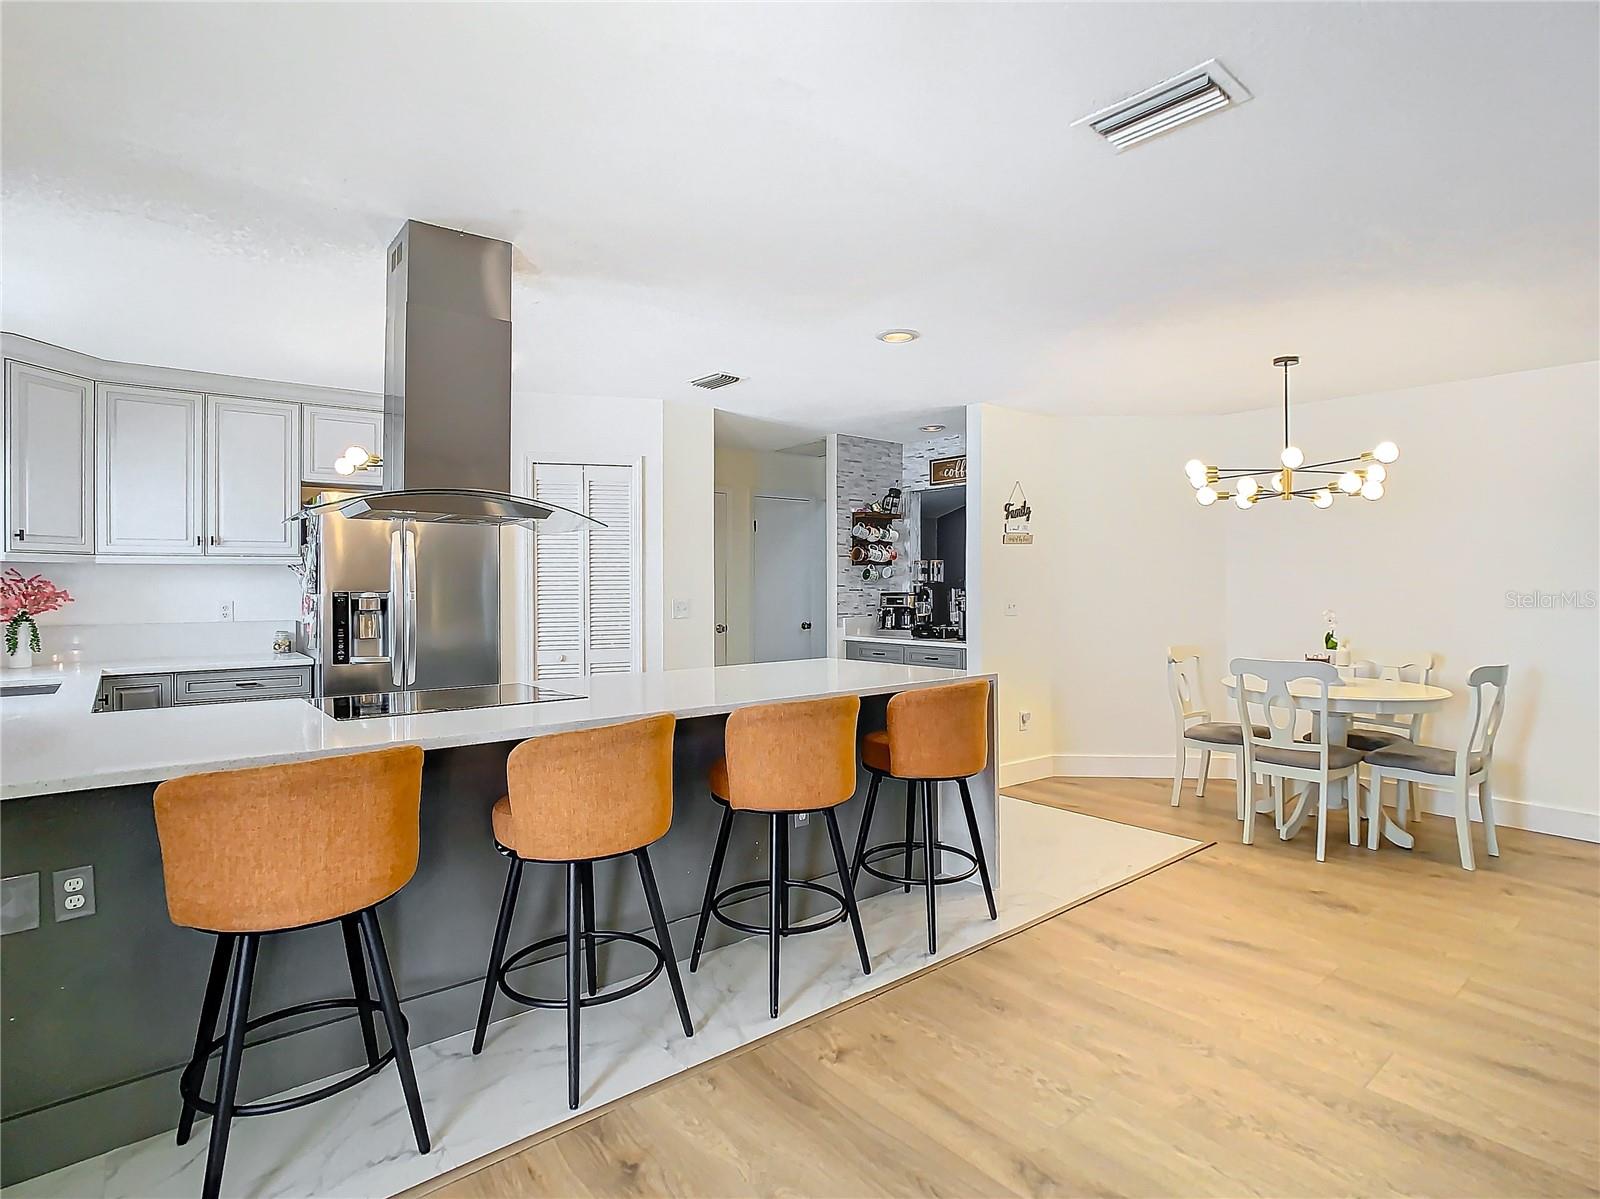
(252, 476)
(720, 550)
(149, 477)
(49, 421)
(786, 599)
(325, 435)
(586, 584)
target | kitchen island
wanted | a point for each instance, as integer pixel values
(100, 1011)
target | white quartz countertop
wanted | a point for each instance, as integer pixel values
(892, 637)
(56, 743)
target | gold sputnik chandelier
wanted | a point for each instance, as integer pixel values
(1362, 475)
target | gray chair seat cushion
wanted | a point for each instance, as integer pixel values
(1219, 733)
(1428, 759)
(1339, 757)
(1367, 740)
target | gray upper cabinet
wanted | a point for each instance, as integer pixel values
(49, 460)
(326, 433)
(148, 445)
(252, 476)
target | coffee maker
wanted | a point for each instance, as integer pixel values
(895, 610)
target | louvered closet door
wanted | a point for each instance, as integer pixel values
(613, 641)
(558, 579)
(586, 585)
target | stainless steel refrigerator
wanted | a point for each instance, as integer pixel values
(401, 605)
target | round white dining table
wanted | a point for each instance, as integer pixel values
(1352, 698)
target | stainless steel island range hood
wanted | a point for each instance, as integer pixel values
(447, 389)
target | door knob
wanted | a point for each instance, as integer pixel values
(805, 624)
(722, 628)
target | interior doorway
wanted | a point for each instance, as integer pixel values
(788, 591)
(719, 502)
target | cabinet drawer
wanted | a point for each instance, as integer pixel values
(221, 686)
(950, 656)
(871, 651)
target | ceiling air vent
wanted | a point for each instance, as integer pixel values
(711, 382)
(1160, 109)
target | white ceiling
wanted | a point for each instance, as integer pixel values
(1411, 196)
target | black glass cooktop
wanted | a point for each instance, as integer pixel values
(443, 699)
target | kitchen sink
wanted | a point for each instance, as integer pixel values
(11, 690)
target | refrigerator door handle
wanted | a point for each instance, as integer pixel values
(397, 571)
(411, 605)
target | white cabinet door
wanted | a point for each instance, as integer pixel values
(49, 422)
(148, 448)
(328, 432)
(252, 476)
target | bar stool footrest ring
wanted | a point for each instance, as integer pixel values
(189, 1081)
(898, 848)
(600, 938)
(747, 891)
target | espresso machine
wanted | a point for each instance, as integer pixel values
(895, 611)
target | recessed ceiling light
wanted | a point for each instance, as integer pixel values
(932, 428)
(896, 336)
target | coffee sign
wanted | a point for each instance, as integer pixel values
(947, 470)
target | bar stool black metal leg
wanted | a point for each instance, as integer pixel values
(930, 861)
(847, 888)
(647, 877)
(590, 952)
(216, 981)
(911, 827)
(244, 969)
(783, 875)
(389, 1000)
(866, 826)
(977, 847)
(711, 887)
(573, 984)
(358, 985)
(774, 926)
(497, 953)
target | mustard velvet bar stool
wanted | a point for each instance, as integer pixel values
(248, 854)
(574, 799)
(783, 759)
(935, 734)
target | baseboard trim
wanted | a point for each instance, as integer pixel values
(1510, 812)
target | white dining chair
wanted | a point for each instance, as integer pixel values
(1375, 731)
(1271, 749)
(1196, 729)
(1470, 764)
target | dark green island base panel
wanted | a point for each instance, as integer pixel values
(100, 1012)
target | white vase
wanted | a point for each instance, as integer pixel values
(22, 659)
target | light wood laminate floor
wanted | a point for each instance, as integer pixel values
(1244, 1021)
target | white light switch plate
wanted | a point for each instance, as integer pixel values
(680, 609)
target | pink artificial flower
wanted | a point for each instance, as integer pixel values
(31, 596)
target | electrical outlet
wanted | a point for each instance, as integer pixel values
(680, 609)
(1011, 607)
(19, 903)
(802, 818)
(74, 891)
(1023, 720)
(226, 610)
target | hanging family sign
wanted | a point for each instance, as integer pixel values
(1018, 514)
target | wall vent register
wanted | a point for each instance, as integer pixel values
(1172, 103)
(712, 382)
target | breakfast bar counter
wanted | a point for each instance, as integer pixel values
(101, 1010)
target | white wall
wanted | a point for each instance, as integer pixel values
(1495, 491)
(128, 610)
(743, 474)
(688, 535)
(1013, 613)
(671, 445)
